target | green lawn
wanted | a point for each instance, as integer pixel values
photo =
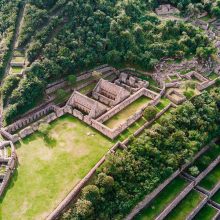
(206, 213)
(211, 179)
(185, 206)
(216, 197)
(16, 69)
(162, 200)
(131, 129)
(48, 170)
(124, 114)
(163, 103)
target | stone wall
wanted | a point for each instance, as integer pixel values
(146, 201)
(104, 69)
(36, 115)
(127, 102)
(175, 202)
(185, 192)
(176, 100)
(10, 166)
(197, 209)
(205, 85)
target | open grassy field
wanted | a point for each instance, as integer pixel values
(48, 170)
(206, 213)
(124, 114)
(162, 200)
(211, 179)
(185, 206)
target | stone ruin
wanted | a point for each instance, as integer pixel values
(109, 93)
(131, 83)
(193, 74)
(87, 105)
(166, 9)
(8, 160)
(175, 97)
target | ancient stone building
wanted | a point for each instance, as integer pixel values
(166, 9)
(109, 93)
(86, 105)
(131, 83)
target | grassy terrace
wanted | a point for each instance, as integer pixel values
(216, 197)
(206, 213)
(163, 199)
(48, 170)
(16, 69)
(124, 114)
(211, 179)
(185, 206)
(203, 161)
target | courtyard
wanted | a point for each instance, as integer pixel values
(124, 114)
(48, 170)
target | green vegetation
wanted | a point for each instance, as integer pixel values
(124, 114)
(150, 113)
(16, 69)
(216, 197)
(211, 179)
(152, 157)
(206, 213)
(8, 16)
(48, 170)
(77, 35)
(162, 200)
(203, 162)
(2, 170)
(185, 206)
(163, 103)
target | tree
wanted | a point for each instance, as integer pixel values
(194, 170)
(150, 113)
(61, 94)
(91, 193)
(190, 85)
(84, 209)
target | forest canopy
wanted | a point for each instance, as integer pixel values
(81, 34)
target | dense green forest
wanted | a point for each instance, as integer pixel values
(65, 37)
(8, 16)
(126, 177)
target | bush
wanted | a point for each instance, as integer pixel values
(150, 113)
(194, 171)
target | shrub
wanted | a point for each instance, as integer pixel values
(150, 113)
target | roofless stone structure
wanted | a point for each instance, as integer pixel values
(109, 93)
(87, 105)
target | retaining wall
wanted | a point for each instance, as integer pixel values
(185, 192)
(144, 203)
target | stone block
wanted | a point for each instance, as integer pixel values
(25, 132)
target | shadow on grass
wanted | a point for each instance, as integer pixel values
(11, 183)
(49, 141)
